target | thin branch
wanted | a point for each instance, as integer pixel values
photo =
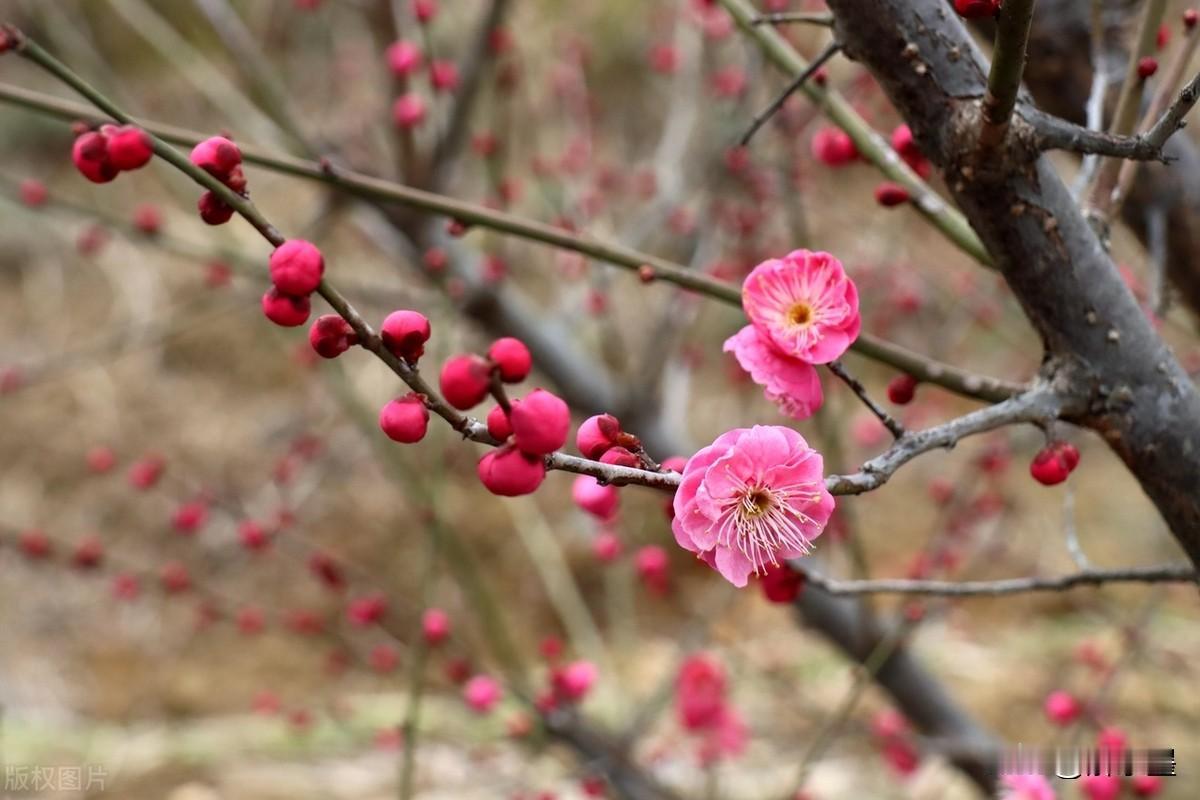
(1039, 403)
(1099, 194)
(1172, 119)
(1166, 573)
(652, 267)
(1008, 65)
(856, 386)
(831, 49)
(1056, 133)
(798, 17)
(869, 143)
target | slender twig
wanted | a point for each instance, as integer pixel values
(856, 386)
(1100, 58)
(653, 267)
(1040, 403)
(1008, 65)
(829, 52)
(868, 142)
(1055, 133)
(799, 17)
(1166, 573)
(1099, 193)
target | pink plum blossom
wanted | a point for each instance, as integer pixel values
(753, 497)
(482, 692)
(789, 383)
(804, 304)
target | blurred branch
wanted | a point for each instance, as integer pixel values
(479, 56)
(870, 144)
(1167, 573)
(856, 386)
(649, 267)
(1038, 404)
(830, 50)
(799, 17)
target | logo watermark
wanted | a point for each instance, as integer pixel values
(30, 779)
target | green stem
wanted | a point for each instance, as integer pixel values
(1008, 65)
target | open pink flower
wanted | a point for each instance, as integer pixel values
(789, 383)
(804, 304)
(753, 497)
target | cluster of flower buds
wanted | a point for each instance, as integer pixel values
(1054, 463)
(297, 267)
(101, 155)
(222, 159)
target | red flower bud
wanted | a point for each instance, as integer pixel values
(213, 209)
(285, 310)
(512, 357)
(509, 472)
(464, 381)
(330, 336)
(1054, 463)
(977, 9)
(620, 457)
(1147, 66)
(405, 419)
(296, 267)
(217, 156)
(90, 155)
(405, 334)
(900, 389)
(498, 425)
(540, 422)
(889, 194)
(597, 434)
(129, 147)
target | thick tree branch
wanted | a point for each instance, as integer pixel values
(1097, 338)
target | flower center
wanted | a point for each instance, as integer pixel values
(756, 502)
(800, 314)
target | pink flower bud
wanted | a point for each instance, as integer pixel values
(540, 422)
(573, 681)
(367, 610)
(126, 587)
(190, 517)
(409, 111)
(101, 459)
(144, 473)
(464, 381)
(297, 267)
(403, 58)
(1061, 708)
(253, 536)
(327, 570)
(405, 334)
(781, 584)
(213, 210)
(250, 621)
(1190, 18)
(599, 500)
(435, 626)
(383, 658)
(652, 567)
(1146, 785)
(509, 472)
(1147, 66)
(620, 457)
(217, 156)
(33, 192)
(1100, 787)
(512, 357)
(977, 9)
(833, 147)
(900, 390)
(90, 156)
(1054, 463)
(424, 10)
(174, 578)
(889, 195)
(498, 425)
(596, 435)
(405, 419)
(129, 147)
(443, 75)
(330, 336)
(147, 219)
(481, 693)
(285, 310)
(606, 547)
(34, 544)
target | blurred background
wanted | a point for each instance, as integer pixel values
(132, 344)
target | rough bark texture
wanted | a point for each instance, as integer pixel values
(1059, 77)
(1119, 377)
